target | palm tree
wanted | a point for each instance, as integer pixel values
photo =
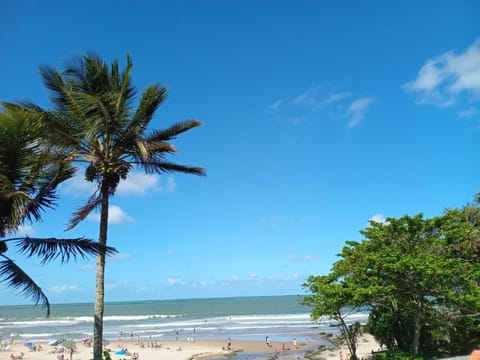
(29, 176)
(95, 121)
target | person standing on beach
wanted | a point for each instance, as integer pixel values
(267, 342)
(294, 343)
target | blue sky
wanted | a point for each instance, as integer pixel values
(318, 116)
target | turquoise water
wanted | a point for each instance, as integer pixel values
(244, 318)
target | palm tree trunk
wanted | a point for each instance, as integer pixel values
(100, 280)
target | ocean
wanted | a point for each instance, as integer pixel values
(243, 318)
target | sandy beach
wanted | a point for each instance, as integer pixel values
(187, 349)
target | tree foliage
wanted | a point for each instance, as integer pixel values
(97, 121)
(420, 278)
(30, 172)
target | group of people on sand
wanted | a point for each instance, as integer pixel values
(267, 343)
(61, 356)
(154, 345)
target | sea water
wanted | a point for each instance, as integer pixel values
(243, 318)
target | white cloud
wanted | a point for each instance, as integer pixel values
(312, 99)
(77, 185)
(111, 284)
(138, 183)
(205, 283)
(379, 218)
(469, 113)
(276, 105)
(328, 104)
(273, 220)
(293, 257)
(442, 79)
(88, 267)
(333, 98)
(121, 256)
(281, 219)
(170, 184)
(173, 281)
(309, 97)
(115, 216)
(25, 230)
(357, 110)
(58, 289)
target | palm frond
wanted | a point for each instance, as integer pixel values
(125, 90)
(171, 132)
(152, 98)
(54, 81)
(30, 170)
(86, 209)
(57, 130)
(17, 279)
(168, 167)
(64, 249)
(45, 195)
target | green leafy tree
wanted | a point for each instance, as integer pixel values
(460, 239)
(29, 175)
(329, 298)
(94, 120)
(409, 273)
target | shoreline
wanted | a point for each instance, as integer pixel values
(188, 349)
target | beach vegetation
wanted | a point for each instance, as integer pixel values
(30, 172)
(315, 353)
(395, 355)
(420, 279)
(97, 123)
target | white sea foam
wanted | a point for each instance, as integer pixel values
(210, 318)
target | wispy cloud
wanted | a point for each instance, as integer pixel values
(137, 183)
(88, 267)
(441, 80)
(309, 98)
(294, 257)
(333, 98)
(357, 110)
(174, 281)
(115, 216)
(25, 230)
(469, 113)
(378, 218)
(77, 185)
(280, 219)
(59, 289)
(314, 100)
(170, 184)
(341, 104)
(276, 105)
(273, 220)
(121, 256)
(234, 281)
